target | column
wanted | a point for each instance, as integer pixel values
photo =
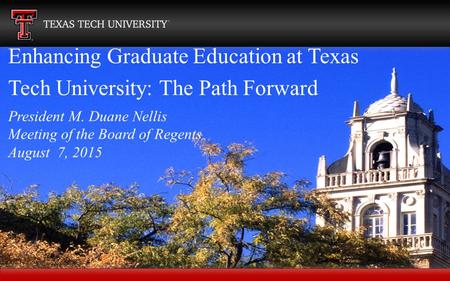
(421, 211)
(394, 214)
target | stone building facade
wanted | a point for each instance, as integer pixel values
(392, 180)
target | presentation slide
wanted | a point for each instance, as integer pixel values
(202, 141)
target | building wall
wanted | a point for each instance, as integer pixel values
(405, 132)
(393, 200)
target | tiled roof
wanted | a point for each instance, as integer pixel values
(391, 103)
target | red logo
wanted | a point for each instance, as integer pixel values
(24, 18)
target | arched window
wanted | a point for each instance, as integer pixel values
(373, 222)
(381, 156)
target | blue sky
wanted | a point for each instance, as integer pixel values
(290, 133)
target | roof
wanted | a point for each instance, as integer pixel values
(392, 103)
(339, 166)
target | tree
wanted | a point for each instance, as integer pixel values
(18, 252)
(232, 219)
(228, 218)
(108, 225)
(328, 247)
(24, 213)
(109, 214)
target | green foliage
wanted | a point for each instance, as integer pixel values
(336, 248)
(108, 214)
(27, 205)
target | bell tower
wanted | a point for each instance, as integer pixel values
(392, 179)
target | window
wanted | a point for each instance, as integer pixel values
(435, 225)
(373, 222)
(447, 227)
(409, 223)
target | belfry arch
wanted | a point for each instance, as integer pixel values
(381, 155)
(372, 153)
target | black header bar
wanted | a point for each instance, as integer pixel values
(231, 25)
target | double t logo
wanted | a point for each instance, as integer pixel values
(24, 18)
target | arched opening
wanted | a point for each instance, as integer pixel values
(381, 155)
(373, 221)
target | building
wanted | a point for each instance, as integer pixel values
(392, 180)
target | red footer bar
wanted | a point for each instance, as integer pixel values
(223, 274)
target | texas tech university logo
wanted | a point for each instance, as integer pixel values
(24, 18)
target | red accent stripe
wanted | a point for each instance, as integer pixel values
(229, 275)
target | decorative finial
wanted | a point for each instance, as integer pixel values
(355, 108)
(431, 116)
(322, 167)
(409, 104)
(394, 84)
